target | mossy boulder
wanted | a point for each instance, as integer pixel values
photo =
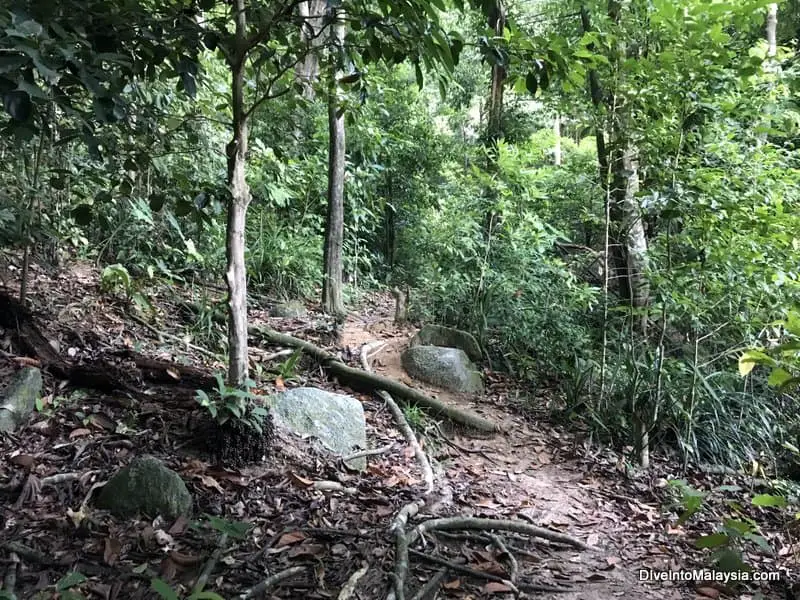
(447, 337)
(147, 487)
(19, 399)
(447, 368)
(292, 309)
(335, 420)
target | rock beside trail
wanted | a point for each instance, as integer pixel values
(447, 337)
(19, 398)
(335, 420)
(147, 487)
(292, 309)
(447, 368)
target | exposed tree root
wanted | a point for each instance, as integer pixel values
(403, 425)
(404, 541)
(372, 381)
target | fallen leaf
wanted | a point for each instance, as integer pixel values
(455, 584)
(210, 483)
(179, 526)
(174, 374)
(185, 560)
(293, 537)
(80, 432)
(495, 587)
(111, 551)
(302, 482)
(708, 592)
(26, 461)
(102, 422)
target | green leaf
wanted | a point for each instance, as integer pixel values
(82, 214)
(11, 62)
(751, 358)
(70, 580)
(418, 74)
(205, 596)
(531, 83)
(18, 104)
(182, 208)
(163, 589)
(351, 78)
(715, 540)
(769, 500)
(778, 377)
(157, 201)
(792, 323)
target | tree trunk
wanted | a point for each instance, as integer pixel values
(497, 22)
(332, 301)
(557, 146)
(772, 28)
(236, 272)
(307, 71)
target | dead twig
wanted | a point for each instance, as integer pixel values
(454, 566)
(373, 452)
(271, 582)
(350, 587)
(208, 568)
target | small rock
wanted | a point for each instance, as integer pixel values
(293, 309)
(146, 486)
(19, 398)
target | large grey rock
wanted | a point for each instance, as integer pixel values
(447, 337)
(293, 309)
(336, 420)
(146, 486)
(448, 368)
(19, 398)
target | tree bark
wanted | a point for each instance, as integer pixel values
(239, 200)
(557, 145)
(494, 121)
(332, 301)
(307, 71)
(772, 28)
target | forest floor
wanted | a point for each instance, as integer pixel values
(533, 471)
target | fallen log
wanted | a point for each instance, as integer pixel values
(373, 381)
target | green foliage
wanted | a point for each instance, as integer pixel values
(115, 278)
(734, 534)
(287, 370)
(504, 284)
(226, 403)
(415, 416)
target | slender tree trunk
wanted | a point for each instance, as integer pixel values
(497, 22)
(494, 113)
(628, 247)
(239, 200)
(772, 29)
(332, 301)
(557, 146)
(311, 13)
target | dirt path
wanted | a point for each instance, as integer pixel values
(516, 475)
